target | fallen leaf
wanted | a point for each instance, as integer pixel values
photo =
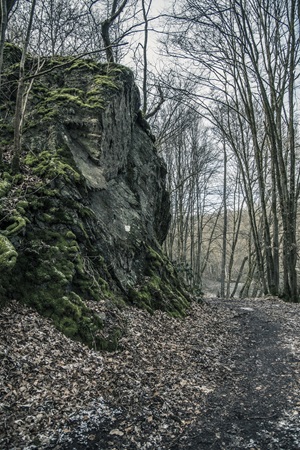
(116, 432)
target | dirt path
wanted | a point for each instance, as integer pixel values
(258, 408)
(226, 377)
(255, 404)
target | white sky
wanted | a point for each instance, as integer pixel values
(157, 7)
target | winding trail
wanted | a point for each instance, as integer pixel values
(258, 406)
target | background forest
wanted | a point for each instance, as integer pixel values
(219, 83)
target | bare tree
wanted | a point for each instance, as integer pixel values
(19, 108)
(248, 53)
(192, 167)
(115, 12)
(5, 8)
(225, 225)
(59, 28)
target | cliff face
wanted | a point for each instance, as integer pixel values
(97, 124)
(85, 218)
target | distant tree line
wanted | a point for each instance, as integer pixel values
(243, 58)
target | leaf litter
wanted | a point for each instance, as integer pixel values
(54, 391)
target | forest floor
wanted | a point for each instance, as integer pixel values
(225, 377)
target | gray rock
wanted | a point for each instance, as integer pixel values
(96, 209)
(123, 174)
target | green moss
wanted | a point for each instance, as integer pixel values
(95, 101)
(70, 235)
(89, 280)
(69, 92)
(105, 81)
(62, 102)
(101, 85)
(53, 103)
(154, 256)
(50, 165)
(68, 326)
(22, 204)
(6, 127)
(115, 70)
(50, 270)
(8, 254)
(51, 273)
(83, 64)
(70, 315)
(4, 187)
(19, 223)
(64, 96)
(175, 314)
(161, 289)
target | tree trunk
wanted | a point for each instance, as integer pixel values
(106, 40)
(225, 227)
(19, 112)
(3, 26)
(105, 28)
(238, 278)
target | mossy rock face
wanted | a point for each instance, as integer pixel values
(8, 259)
(161, 288)
(88, 212)
(8, 254)
(51, 165)
(54, 269)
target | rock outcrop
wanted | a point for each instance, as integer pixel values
(85, 218)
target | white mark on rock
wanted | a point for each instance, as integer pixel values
(127, 228)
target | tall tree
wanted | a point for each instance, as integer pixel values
(115, 12)
(249, 55)
(225, 224)
(5, 8)
(19, 109)
(193, 166)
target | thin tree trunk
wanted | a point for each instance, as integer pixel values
(3, 26)
(237, 225)
(238, 278)
(145, 56)
(225, 226)
(105, 29)
(19, 112)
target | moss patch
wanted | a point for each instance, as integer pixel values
(8, 254)
(8, 259)
(51, 165)
(90, 91)
(53, 267)
(161, 288)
